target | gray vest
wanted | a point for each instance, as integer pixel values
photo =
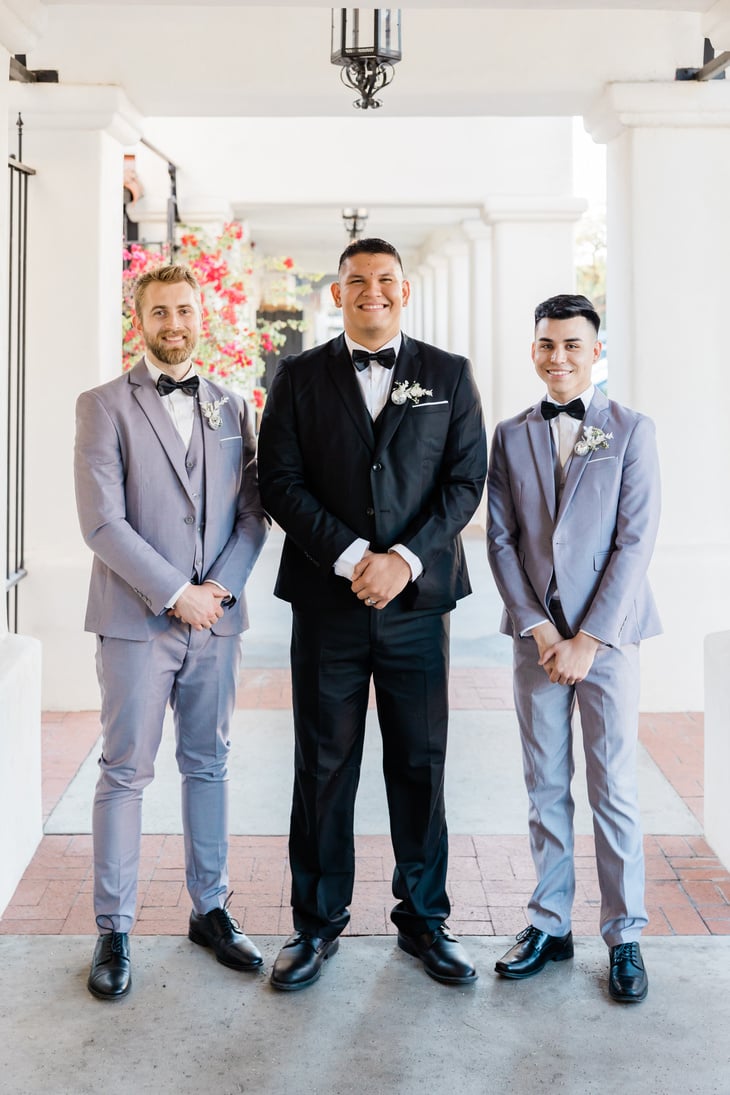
(195, 465)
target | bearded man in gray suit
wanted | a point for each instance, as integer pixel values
(168, 502)
(573, 495)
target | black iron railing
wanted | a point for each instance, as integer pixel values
(20, 174)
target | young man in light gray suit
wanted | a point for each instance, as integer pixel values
(573, 494)
(168, 502)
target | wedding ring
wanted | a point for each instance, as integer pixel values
(370, 601)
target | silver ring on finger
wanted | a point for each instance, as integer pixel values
(369, 601)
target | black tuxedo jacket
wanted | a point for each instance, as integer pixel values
(328, 474)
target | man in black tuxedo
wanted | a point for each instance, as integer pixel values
(372, 458)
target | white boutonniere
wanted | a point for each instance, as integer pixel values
(210, 411)
(592, 439)
(404, 390)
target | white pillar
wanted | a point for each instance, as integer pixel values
(668, 292)
(74, 137)
(440, 301)
(456, 252)
(481, 291)
(717, 744)
(21, 812)
(533, 258)
(413, 319)
(425, 274)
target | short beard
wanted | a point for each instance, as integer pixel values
(172, 355)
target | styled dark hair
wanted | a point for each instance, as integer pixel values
(372, 246)
(565, 306)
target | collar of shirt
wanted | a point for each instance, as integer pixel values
(156, 373)
(179, 406)
(566, 430)
(586, 396)
(394, 343)
(375, 381)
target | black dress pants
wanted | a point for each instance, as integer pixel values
(334, 654)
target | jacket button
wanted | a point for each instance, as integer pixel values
(189, 520)
(377, 467)
(370, 511)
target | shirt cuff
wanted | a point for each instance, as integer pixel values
(532, 626)
(172, 600)
(227, 601)
(351, 556)
(413, 561)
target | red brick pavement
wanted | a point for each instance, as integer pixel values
(490, 877)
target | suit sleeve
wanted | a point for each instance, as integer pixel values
(503, 533)
(318, 533)
(460, 481)
(100, 498)
(248, 536)
(637, 523)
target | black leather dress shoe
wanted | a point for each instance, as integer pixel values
(110, 977)
(532, 951)
(218, 929)
(299, 962)
(627, 980)
(442, 955)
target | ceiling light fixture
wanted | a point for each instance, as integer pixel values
(366, 43)
(355, 221)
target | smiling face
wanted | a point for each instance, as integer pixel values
(564, 352)
(372, 293)
(170, 325)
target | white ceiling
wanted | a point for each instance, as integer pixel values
(192, 69)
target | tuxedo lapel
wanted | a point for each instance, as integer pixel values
(342, 372)
(211, 442)
(538, 432)
(596, 415)
(407, 367)
(146, 395)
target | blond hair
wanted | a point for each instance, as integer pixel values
(170, 274)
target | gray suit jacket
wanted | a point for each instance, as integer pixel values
(600, 541)
(134, 505)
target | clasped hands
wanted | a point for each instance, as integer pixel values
(566, 661)
(379, 577)
(200, 606)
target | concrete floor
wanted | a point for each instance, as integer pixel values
(373, 1024)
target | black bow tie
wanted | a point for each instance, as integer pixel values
(166, 384)
(551, 410)
(362, 358)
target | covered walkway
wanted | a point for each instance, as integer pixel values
(374, 1023)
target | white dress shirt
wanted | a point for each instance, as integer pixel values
(375, 383)
(181, 408)
(179, 405)
(565, 431)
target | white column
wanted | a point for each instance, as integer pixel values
(413, 319)
(533, 259)
(479, 236)
(440, 303)
(21, 812)
(74, 137)
(717, 744)
(425, 274)
(456, 252)
(668, 291)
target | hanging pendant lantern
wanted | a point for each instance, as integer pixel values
(366, 43)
